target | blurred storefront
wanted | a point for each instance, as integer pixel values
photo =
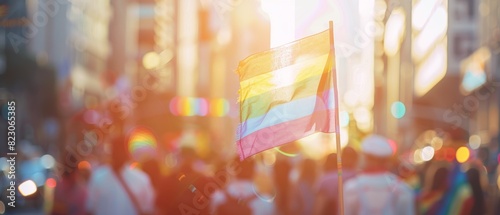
(141, 74)
(434, 37)
(169, 64)
(456, 101)
(479, 78)
(413, 60)
(59, 50)
(180, 56)
(393, 71)
(89, 48)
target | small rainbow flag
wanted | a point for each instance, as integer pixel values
(142, 143)
(458, 199)
(286, 93)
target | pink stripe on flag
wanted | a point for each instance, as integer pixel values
(269, 137)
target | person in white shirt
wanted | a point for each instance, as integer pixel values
(375, 190)
(243, 188)
(107, 194)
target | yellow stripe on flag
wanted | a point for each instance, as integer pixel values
(284, 56)
(301, 70)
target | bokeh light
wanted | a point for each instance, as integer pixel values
(417, 156)
(427, 153)
(428, 135)
(437, 143)
(174, 106)
(187, 106)
(51, 183)
(170, 160)
(91, 116)
(151, 60)
(394, 146)
(202, 107)
(474, 141)
(462, 154)
(84, 165)
(344, 137)
(364, 119)
(194, 106)
(362, 115)
(219, 107)
(398, 110)
(344, 118)
(47, 161)
(27, 188)
(269, 158)
(142, 143)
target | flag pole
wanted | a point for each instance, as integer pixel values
(337, 127)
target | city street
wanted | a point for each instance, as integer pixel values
(251, 107)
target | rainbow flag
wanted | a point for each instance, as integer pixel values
(286, 93)
(142, 144)
(459, 198)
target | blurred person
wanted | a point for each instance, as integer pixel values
(281, 177)
(152, 168)
(327, 188)
(432, 199)
(304, 197)
(116, 188)
(479, 202)
(409, 174)
(239, 196)
(445, 192)
(375, 190)
(459, 198)
(85, 174)
(183, 190)
(70, 194)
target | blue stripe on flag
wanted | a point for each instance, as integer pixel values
(292, 110)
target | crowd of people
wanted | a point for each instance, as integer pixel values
(291, 185)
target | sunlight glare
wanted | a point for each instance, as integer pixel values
(282, 18)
